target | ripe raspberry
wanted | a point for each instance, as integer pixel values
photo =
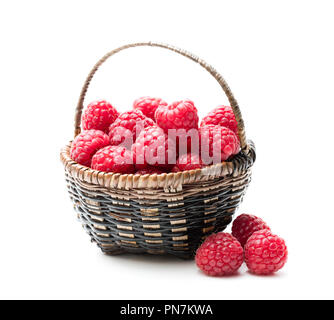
(150, 170)
(245, 225)
(221, 254)
(187, 141)
(127, 126)
(178, 115)
(222, 116)
(148, 106)
(217, 144)
(175, 169)
(99, 115)
(188, 161)
(154, 148)
(113, 159)
(86, 144)
(265, 253)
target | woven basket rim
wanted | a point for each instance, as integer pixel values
(171, 180)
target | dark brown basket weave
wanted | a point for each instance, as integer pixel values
(158, 214)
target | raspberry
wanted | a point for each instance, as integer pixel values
(265, 253)
(148, 106)
(217, 144)
(154, 148)
(188, 161)
(150, 170)
(175, 169)
(220, 254)
(222, 116)
(99, 115)
(86, 144)
(127, 126)
(113, 159)
(245, 225)
(178, 115)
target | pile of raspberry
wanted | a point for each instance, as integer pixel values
(154, 137)
(252, 241)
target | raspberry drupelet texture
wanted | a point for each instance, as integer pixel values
(245, 225)
(150, 170)
(178, 115)
(154, 148)
(113, 159)
(221, 116)
(86, 144)
(221, 254)
(265, 253)
(99, 115)
(188, 161)
(127, 127)
(148, 105)
(217, 144)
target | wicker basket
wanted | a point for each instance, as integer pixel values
(158, 214)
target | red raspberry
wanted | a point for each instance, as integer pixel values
(245, 225)
(175, 169)
(221, 254)
(148, 106)
(154, 148)
(265, 253)
(86, 144)
(113, 159)
(127, 126)
(222, 116)
(99, 115)
(150, 170)
(178, 115)
(217, 144)
(188, 161)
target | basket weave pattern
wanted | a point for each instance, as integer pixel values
(158, 214)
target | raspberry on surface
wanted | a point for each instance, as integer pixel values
(245, 225)
(220, 254)
(178, 115)
(148, 105)
(113, 159)
(188, 161)
(154, 148)
(150, 170)
(221, 116)
(217, 144)
(127, 127)
(86, 144)
(99, 115)
(265, 253)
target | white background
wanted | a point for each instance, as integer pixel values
(277, 57)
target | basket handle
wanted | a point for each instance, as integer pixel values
(209, 68)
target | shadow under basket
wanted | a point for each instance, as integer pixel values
(158, 214)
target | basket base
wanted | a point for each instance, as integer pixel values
(116, 250)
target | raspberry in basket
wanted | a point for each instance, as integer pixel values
(217, 144)
(245, 225)
(148, 106)
(86, 144)
(113, 159)
(265, 253)
(154, 148)
(222, 116)
(188, 161)
(221, 254)
(99, 115)
(178, 115)
(127, 126)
